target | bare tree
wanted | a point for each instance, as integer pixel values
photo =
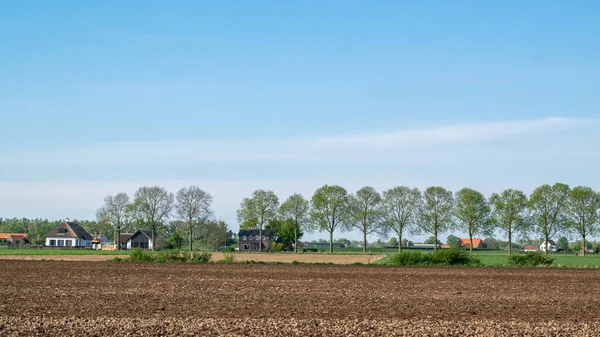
(583, 206)
(365, 212)
(436, 214)
(510, 213)
(256, 211)
(548, 208)
(329, 209)
(295, 209)
(401, 206)
(154, 206)
(472, 211)
(114, 212)
(193, 206)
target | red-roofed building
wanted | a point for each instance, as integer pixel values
(477, 243)
(14, 238)
(531, 249)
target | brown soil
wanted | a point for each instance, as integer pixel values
(82, 298)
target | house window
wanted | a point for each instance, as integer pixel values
(61, 243)
(246, 247)
(67, 243)
(62, 231)
(257, 238)
(52, 242)
(264, 238)
(244, 238)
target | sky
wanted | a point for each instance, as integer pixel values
(98, 98)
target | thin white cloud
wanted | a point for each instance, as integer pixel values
(414, 145)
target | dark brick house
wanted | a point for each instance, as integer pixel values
(249, 240)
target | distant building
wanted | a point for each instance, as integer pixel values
(13, 238)
(477, 243)
(68, 234)
(249, 240)
(552, 246)
(530, 249)
(140, 239)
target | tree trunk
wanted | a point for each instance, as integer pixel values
(118, 238)
(583, 245)
(509, 242)
(153, 241)
(470, 243)
(364, 242)
(435, 240)
(295, 239)
(260, 238)
(546, 235)
(190, 234)
(400, 242)
(331, 242)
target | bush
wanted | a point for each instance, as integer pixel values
(450, 257)
(138, 255)
(201, 257)
(276, 247)
(230, 249)
(170, 256)
(530, 260)
(310, 250)
(229, 258)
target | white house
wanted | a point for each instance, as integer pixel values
(140, 239)
(69, 234)
(552, 247)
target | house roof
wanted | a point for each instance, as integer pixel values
(4, 236)
(531, 248)
(445, 246)
(145, 232)
(17, 237)
(125, 236)
(265, 232)
(73, 231)
(466, 242)
(550, 242)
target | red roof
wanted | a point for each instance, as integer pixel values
(531, 248)
(466, 242)
(4, 236)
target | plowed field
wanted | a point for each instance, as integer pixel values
(103, 298)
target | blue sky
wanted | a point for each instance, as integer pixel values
(100, 97)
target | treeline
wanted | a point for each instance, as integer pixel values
(548, 211)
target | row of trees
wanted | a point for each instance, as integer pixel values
(548, 211)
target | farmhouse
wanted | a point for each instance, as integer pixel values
(530, 249)
(249, 240)
(13, 238)
(139, 239)
(69, 234)
(477, 243)
(552, 246)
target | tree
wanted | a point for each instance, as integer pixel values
(215, 233)
(114, 212)
(329, 209)
(435, 216)
(285, 231)
(491, 243)
(153, 207)
(562, 244)
(582, 207)
(453, 241)
(393, 242)
(473, 213)
(400, 207)
(295, 209)
(365, 212)
(255, 212)
(193, 206)
(510, 213)
(175, 240)
(548, 206)
(431, 240)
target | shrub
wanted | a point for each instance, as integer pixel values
(310, 250)
(450, 257)
(530, 260)
(276, 247)
(229, 258)
(229, 249)
(201, 257)
(138, 255)
(170, 256)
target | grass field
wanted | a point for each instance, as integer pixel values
(51, 251)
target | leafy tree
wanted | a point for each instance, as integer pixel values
(285, 231)
(215, 233)
(562, 244)
(296, 210)
(548, 205)
(344, 241)
(405, 243)
(583, 208)
(453, 241)
(435, 216)
(329, 209)
(491, 243)
(431, 240)
(152, 207)
(393, 242)
(255, 212)
(175, 240)
(114, 212)
(400, 208)
(193, 206)
(473, 213)
(510, 213)
(365, 212)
